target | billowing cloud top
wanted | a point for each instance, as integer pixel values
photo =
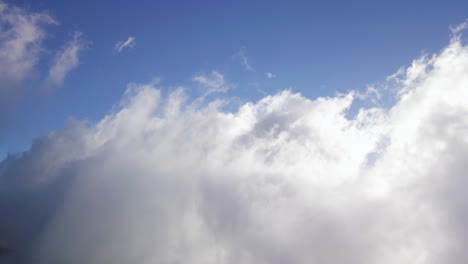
(283, 180)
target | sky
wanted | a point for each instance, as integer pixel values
(315, 48)
(233, 132)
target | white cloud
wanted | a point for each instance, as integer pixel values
(270, 75)
(65, 60)
(21, 34)
(458, 28)
(129, 43)
(213, 83)
(284, 180)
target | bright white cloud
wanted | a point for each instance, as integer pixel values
(129, 43)
(212, 83)
(65, 60)
(270, 75)
(283, 180)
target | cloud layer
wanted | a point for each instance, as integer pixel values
(284, 180)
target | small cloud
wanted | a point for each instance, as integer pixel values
(129, 43)
(244, 60)
(213, 83)
(65, 60)
(270, 75)
(458, 28)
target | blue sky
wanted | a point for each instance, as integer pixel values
(315, 48)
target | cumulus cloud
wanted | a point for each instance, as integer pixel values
(286, 179)
(65, 60)
(212, 83)
(129, 43)
(270, 75)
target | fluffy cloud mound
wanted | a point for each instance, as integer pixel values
(284, 180)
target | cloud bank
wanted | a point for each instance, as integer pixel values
(284, 180)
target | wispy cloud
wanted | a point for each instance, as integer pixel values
(270, 75)
(129, 43)
(21, 35)
(65, 60)
(21, 42)
(458, 28)
(244, 60)
(212, 83)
